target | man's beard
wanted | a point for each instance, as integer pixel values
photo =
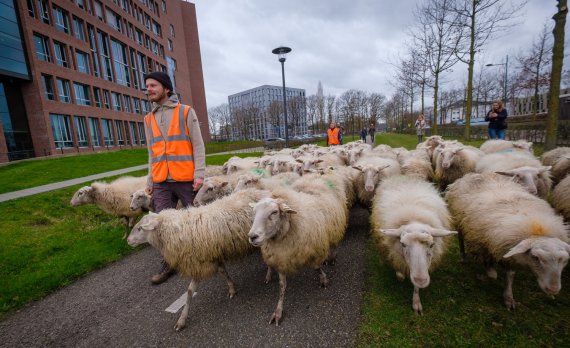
(158, 97)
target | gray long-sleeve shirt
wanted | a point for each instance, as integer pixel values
(163, 114)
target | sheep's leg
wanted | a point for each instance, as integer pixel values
(401, 277)
(268, 275)
(279, 310)
(462, 258)
(181, 323)
(126, 222)
(331, 259)
(322, 277)
(416, 303)
(231, 287)
(491, 270)
(508, 293)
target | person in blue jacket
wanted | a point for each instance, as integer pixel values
(497, 119)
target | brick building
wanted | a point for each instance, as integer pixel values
(71, 71)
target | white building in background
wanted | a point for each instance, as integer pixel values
(258, 113)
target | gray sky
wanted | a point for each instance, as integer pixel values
(344, 44)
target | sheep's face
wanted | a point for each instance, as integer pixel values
(371, 175)
(142, 230)
(140, 199)
(416, 245)
(209, 191)
(246, 181)
(546, 257)
(83, 196)
(447, 156)
(270, 219)
(527, 177)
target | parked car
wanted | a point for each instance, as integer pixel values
(475, 121)
(272, 143)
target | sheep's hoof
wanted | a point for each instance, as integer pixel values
(324, 283)
(275, 317)
(418, 308)
(492, 273)
(267, 280)
(232, 294)
(401, 277)
(179, 325)
(510, 303)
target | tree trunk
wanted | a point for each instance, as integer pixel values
(557, 60)
(469, 106)
(435, 115)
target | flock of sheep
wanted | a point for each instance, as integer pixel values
(294, 205)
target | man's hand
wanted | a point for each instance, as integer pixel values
(197, 183)
(148, 190)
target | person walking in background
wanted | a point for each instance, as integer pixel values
(176, 152)
(420, 127)
(363, 133)
(497, 119)
(371, 131)
(333, 135)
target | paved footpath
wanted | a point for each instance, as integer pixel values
(118, 307)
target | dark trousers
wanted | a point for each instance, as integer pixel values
(165, 195)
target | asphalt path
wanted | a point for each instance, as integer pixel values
(118, 307)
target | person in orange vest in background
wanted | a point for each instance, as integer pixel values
(333, 135)
(176, 152)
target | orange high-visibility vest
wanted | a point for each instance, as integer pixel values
(333, 136)
(171, 154)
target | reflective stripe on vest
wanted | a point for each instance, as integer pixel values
(333, 136)
(171, 154)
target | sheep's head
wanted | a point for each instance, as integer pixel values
(142, 229)
(546, 257)
(270, 219)
(372, 175)
(246, 181)
(527, 177)
(139, 199)
(210, 190)
(447, 156)
(83, 196)
(417, 245)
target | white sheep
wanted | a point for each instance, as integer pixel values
(322, 161)
(373, 170)
(408, 220)
(238, 164)
(501, 222)
(561, 197)
(559, 159)
(293, 233)
(113, 198)
(198, 241)
(417, 163)
(215, 187)
(524, 168)
(251, 180)
(454, 161)
(493, 146)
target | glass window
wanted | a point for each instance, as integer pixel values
(114, 20)
(116, 101)
(172, 30)
(98, 9)
(95, 132)
(61, 54)
(94, 52)
(61, 19)
(120, 132)
(42, 48)
(163, 5)
(139, 36)
(105, 55)
(82, 62)
(43, 11)
(133, 127)
(97, 94)
(61, 130)
(107, 126)
(137, 105)
(82, 95)
(142, 138)
(121, 63)
(80, 3)
(47, 81)
(171, 63)
(81, 131)
(63, 90)
(142, 68)
(127, 103)
(106, 99)
(31, 10)
(135, 75)
(78, 28)
(170, 47)
(156, 28)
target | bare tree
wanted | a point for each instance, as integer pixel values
(330, 108)
(219, 121)
(297, 111)
(274, 111)
(376, 104)
(555, 75)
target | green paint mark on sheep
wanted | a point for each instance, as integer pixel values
(258, 171)
(330, 184)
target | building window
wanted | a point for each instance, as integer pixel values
(106, 99)
(95, 132)
(163, 6)
(31, 10)
(94, 52)
(136, 105)
(131, 31)
(139, 36)
(81, 131)
(142, 138)
(172, 30)
(107, 126)
(156, 29)
(133, 127)
(170, 47)
(97, 94)
(60, 54)
(121, 63)
(116, 101)
(42, 48)
(105, 56)
(78, 28)
(61, 130)
(80, 3)
(61, 19)
(171, 63)
(134, 68)
(47, 81)
(63, 90)
(145, 107)
(142, 68)
(114, 20)
(43, 9)
(125, 5)
(120, 132)
(127, 103)
(82, 62)
(82, 95)
(98, 9)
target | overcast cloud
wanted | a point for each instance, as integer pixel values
(344, 44)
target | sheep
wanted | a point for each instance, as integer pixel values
(524, 168)
(453, 162)
(292, 234)
(430, 144)
(250, 180)
(408, 220)
(237, 164)
(323, 161)
(141, 200)
(373, 170)
(561, 197)
(493, 146)
(213, 171)
(518, 229)
(356, 152)
(279, 164)
(385, 151)
(215, 187)
(197, 242)
(559, 159)
(113, 198)
(417, 163)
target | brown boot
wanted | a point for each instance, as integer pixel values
(165, 272)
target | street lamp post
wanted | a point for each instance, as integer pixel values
(281, 53)
(506, 64)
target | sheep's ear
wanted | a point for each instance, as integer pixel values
(357, 167)
(251, 204)
(520, 248)
(440, 232)
(287, 209)
(225, 183)
(319, 160)
(150, 222)
(391, 232)
(544, 169)
(567, 247)
(299, 160)
(381, 169)
(506, 173)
